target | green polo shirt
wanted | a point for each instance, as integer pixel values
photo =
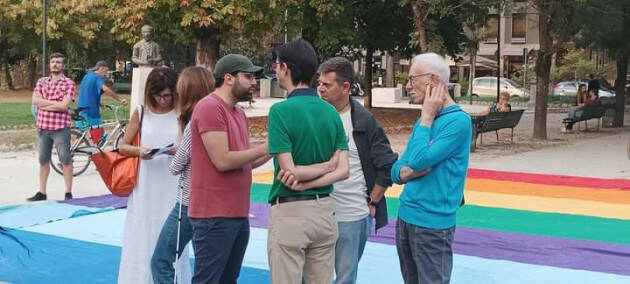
(307, 127)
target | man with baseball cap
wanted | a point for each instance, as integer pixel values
(222, 162)
(92, 87)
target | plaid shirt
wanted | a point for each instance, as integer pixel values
(54, 91)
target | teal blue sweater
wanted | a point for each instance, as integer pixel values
(432, 201)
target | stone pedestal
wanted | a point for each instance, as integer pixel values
(138, 82)
(386, 95)
(265, 88)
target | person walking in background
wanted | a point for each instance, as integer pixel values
(222, 162)
(307, 139)
(360, 197)
(92, 87)
(433, 169)
(152, 199)
(194, 83)
(52, 97)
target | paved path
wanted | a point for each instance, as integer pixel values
(603, 157)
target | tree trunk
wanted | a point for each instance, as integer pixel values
(620, 88)
(389, 71)
(543, 69)
(369, 51)
(208, 45)
(32, 71)
(418, 19)
(7, 74)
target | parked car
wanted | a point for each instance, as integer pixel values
(569, 88)
(487, 87)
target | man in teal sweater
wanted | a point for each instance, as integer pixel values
(433, 169)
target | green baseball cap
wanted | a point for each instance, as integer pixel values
(234, 63)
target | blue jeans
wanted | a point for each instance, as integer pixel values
(164, 254)
(425, 255)
(349, 248)
(219, 245)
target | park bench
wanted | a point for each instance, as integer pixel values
(593, 112)
(498, 120)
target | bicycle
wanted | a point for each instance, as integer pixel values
(81, 145)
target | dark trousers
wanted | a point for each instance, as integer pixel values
(425, 255)
(219, 245)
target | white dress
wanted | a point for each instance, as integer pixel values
(150, 203)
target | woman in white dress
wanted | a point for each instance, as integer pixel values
(153, 197)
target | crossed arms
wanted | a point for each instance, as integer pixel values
(224, 159)
(50, 105)
(300, 178)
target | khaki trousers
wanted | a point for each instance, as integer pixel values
(301, 241)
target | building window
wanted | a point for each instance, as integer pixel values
(491, 30)
(519, 27)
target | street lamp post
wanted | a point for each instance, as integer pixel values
(43, 38)
(499, 54)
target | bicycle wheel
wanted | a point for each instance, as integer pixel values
(80, 159)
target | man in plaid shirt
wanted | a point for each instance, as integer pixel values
(53, 96)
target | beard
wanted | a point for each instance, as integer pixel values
(241, 93)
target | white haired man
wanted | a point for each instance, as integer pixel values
(433, 169)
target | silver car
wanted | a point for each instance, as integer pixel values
(569, 88)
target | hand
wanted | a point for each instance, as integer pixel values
(145, 154)
(172, 151)
(287, 178)
(331, 165)
(372, 210)
(123, 101)
(263, 148)
(433, 102)
(407, 174)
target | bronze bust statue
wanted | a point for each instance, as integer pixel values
(146, 52)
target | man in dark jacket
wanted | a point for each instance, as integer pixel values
(360, 197)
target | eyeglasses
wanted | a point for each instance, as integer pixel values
(275, 64)
(164, 96)
(411, 77)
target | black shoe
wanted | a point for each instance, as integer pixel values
(37, 197)
(68, 196)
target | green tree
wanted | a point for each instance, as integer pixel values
(205, 23)
(353, 29)
(558, 22)
(607, 28)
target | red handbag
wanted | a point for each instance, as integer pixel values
(119, 172)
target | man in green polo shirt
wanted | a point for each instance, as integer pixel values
(310, 149)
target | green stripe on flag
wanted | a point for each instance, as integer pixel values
(520, 221)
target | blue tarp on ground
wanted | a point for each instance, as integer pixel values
(41, 213)
(27, 257)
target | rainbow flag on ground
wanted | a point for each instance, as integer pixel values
(515, 228)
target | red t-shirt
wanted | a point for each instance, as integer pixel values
(213, 193)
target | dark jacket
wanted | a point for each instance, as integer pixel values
(375, 153)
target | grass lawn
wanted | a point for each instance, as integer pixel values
(19, 113)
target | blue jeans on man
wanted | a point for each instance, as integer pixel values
(425, 255)
(349, 248)
(164, 254)
(220, 245)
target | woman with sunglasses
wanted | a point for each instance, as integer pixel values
(194, 83)
(153, 197)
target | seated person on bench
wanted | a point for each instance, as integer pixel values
(502, 106)
(575, 113)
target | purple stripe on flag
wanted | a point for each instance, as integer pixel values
(533, 249)
(107, 200)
